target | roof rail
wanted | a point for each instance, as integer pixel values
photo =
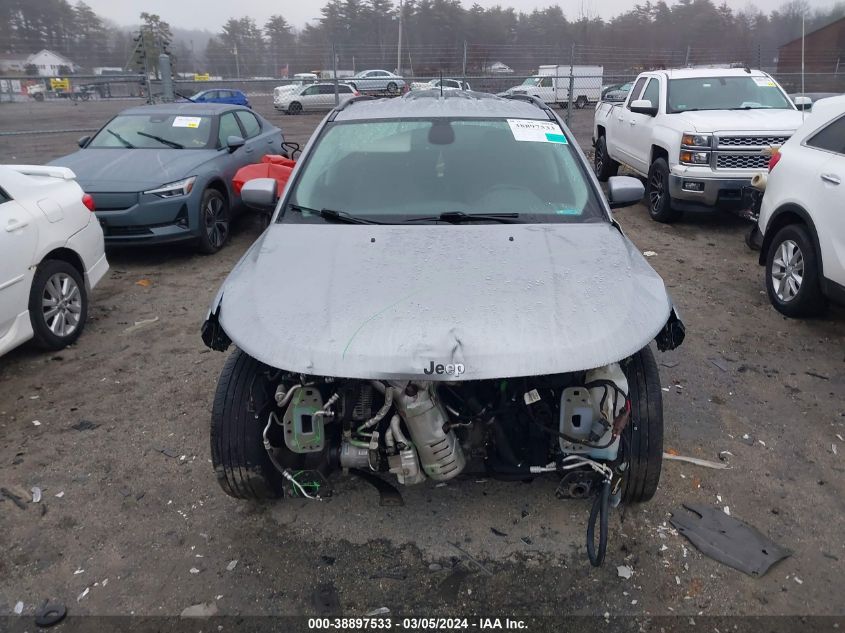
(534, 100)
(340, 107)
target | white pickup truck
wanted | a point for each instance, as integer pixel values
(698, 135)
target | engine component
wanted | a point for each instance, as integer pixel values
(439, 452)
(303, 429)
(578, 484)
(354, 456)
(406, 466)
(589, 412)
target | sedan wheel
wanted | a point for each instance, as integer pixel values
(214, 214)
(392, 88)
(58, 304)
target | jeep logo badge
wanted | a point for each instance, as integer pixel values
(456, 370)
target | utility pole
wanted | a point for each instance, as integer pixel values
(399, 47)
(237, 62)
(571, 84)
(686, 61)
(465, 61)
(334, 75)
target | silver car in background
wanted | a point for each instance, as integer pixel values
(314, 98)
(381, 81)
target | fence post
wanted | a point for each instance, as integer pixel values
(334, 73)
(571, 84)
(465, 61)
(166, 77)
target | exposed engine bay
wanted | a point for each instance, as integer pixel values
(515, 429)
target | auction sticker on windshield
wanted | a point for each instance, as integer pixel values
(536, 131)
(764, 82)
(187, 121)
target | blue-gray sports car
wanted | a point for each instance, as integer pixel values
(163, 173)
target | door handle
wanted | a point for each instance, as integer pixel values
(831, 178)
(248, 150)
(15, 225)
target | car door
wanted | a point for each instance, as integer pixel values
(256, 145)
(639, 128)
(207, 97)
(18, 240)
(310, 97)
(226, 96)
(228, 163)
(824, 194)
(620, 138)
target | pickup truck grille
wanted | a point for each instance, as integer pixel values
(741, 161)
(751, 141)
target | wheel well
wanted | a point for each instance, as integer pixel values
(784, 217)
(600, 131)
(66, 255)
(218, 185)
(658, 152)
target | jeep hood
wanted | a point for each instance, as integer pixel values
(386, 301)
(760, 120)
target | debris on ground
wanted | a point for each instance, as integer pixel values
(201, 610)
(379, 611)
(59, 495)
(194, 570)
(168, 453)
(19, 607)
(706, 463)
(36, 494)
(815, 375)
(833, 449)
(718, 363)
(140, 325)
(50, 614)
(497, 532)
(649, 253)
(670, 363)
(471, 558)
(623, 571)
(723, 455)
(728, 540)
(36, 423)
(232, 565)
(85, 425)
(144, 283)
(83, 594)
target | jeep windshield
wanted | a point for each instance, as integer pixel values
(393, 171)
(726, 93)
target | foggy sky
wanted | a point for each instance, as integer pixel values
(211, 14)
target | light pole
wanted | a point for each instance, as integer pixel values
(399, 47)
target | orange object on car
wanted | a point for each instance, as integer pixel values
(271, 166)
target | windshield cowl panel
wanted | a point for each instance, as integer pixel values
(456, 171)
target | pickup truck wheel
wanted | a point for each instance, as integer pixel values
(58, 304)
(642, 439)
(238, 417)
(659, 201)
(792, 274)
(581, 102)
(604, 165)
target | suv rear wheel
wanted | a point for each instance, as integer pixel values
(659, 201)
(793, 282)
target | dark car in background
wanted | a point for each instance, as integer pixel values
(616, 92)
(221, 95)
(163, 173)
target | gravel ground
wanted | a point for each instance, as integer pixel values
(132, 521)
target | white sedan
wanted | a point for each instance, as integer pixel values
(314, 97)
(436, 84)
(52, 256)
(802, 218)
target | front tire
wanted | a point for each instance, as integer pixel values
(793, 282)
(392, 88)
(214, 221)
(58, 304)
(642, 439)
(659, 201)
(581, 102)
(604, 165)
(295, 108)
(241, 408)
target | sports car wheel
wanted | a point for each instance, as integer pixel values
(642, 439)
(58, 304)
(214, 218)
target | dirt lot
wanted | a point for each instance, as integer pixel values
(133, 522)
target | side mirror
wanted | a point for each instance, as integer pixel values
(643, 106)
(624, 191)
(234, 142)
(261, 194)
(83, 141)
(803, 103)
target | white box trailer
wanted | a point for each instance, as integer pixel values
(551, 84)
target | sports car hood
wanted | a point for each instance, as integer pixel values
(123, 170)
(392, 301)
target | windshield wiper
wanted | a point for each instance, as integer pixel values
(121, 139)
(457, 217)
(334, 216)
(165, 141)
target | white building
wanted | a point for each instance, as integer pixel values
(49, 63)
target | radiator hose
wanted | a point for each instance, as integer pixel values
(598, 512)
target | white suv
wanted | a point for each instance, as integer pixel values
(802, 218)
(52, 256)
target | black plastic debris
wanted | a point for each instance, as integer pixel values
(728, 540)
(50, 614)
(85, 425)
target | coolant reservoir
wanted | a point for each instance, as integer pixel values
(580, 410)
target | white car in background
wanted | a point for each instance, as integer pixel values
(802, 217)
(52, 256)
(299, 80)
(435, 84)
(314, 97)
